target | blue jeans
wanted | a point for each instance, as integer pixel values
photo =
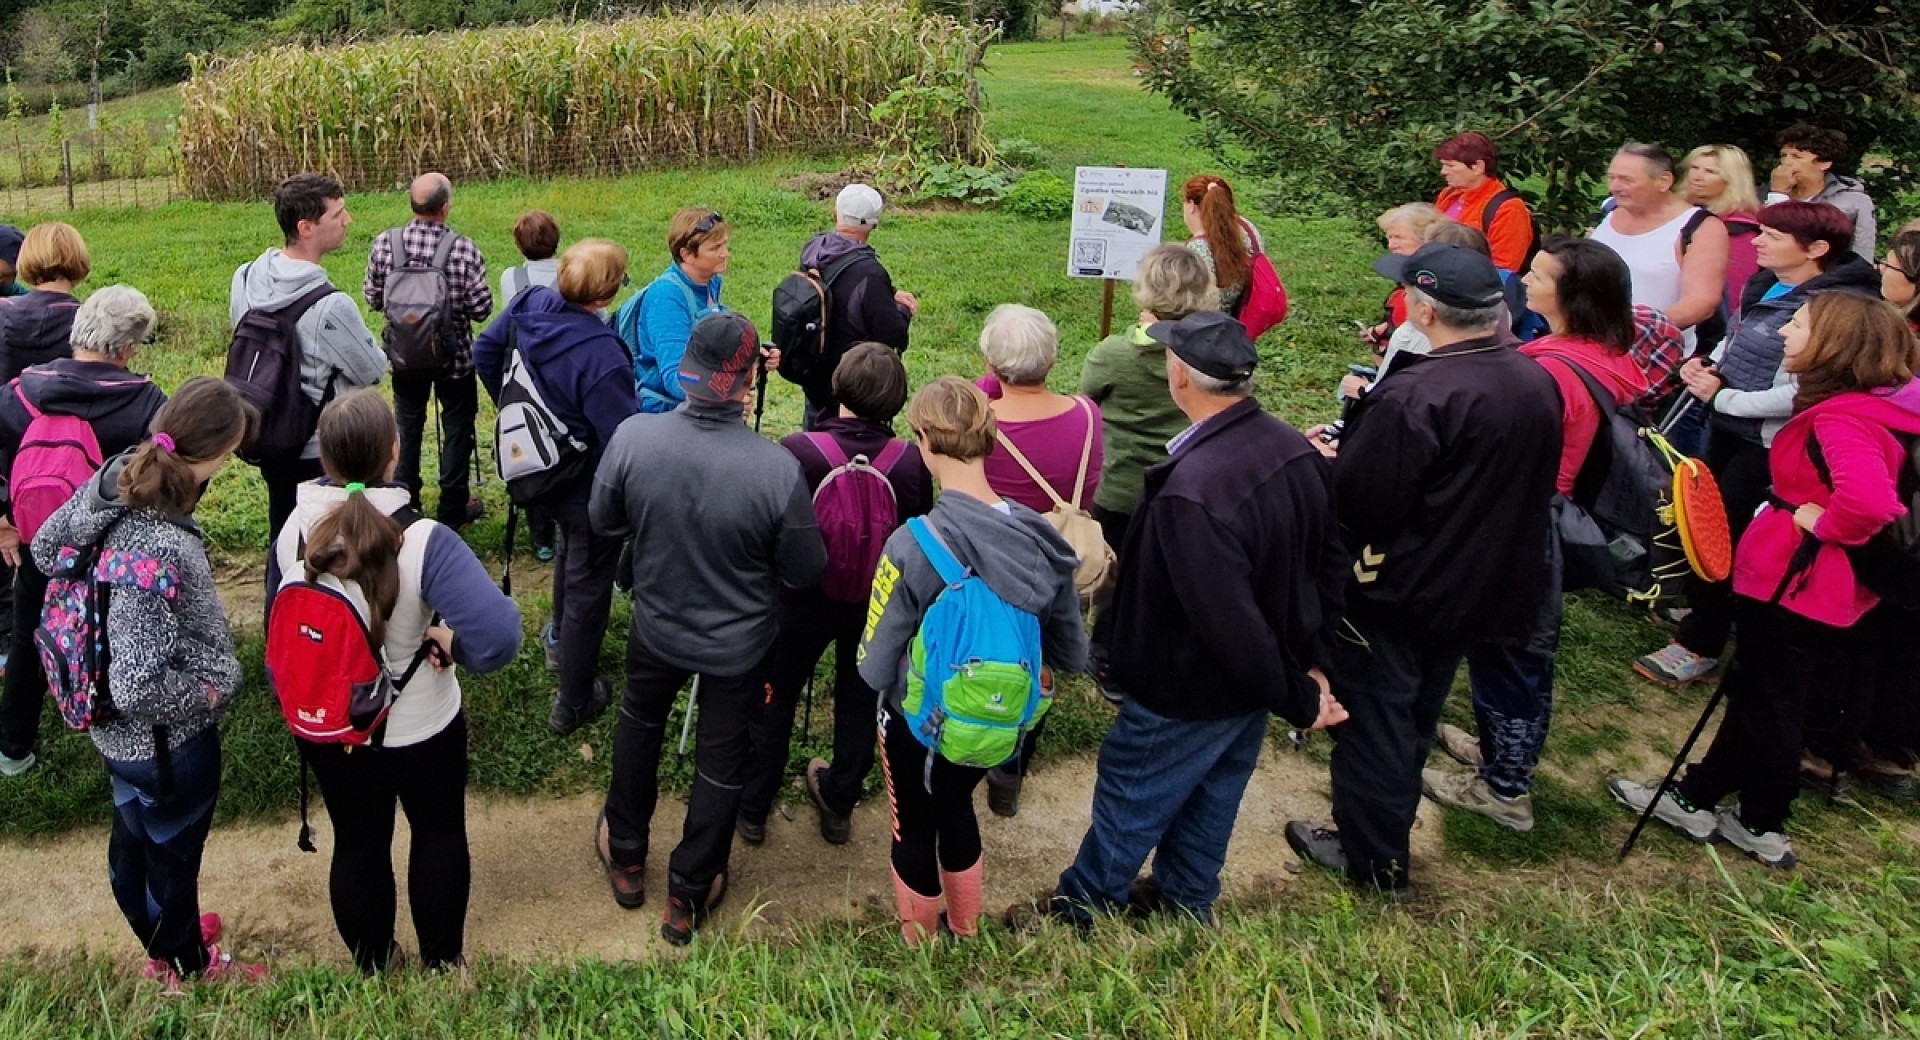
(153, 857)
(1513, 693)
(1170, 787)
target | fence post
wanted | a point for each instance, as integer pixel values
(751, 150)
(66, 168)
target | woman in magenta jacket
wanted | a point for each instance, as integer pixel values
(1799, 599)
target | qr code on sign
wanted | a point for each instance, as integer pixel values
(1089, 252)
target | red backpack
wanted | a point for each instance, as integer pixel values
(856, 508)
(330, 677)
(58, 454)
(1264, 303)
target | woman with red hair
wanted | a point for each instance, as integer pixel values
(1224, 239)
(1476, 197)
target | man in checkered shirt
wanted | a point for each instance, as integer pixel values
(468, 301)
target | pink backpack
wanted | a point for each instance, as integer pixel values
(58, 454)
(856, 509)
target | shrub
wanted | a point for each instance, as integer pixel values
(1357, 94)
(1016, 19)
(1041, 196)
(589, 98)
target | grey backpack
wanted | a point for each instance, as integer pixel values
(416, 306)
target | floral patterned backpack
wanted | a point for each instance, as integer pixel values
(72, 637)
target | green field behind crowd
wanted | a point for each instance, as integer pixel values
(1536, 935)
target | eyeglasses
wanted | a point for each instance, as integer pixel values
(707, 223)
(626, 280)
(1888, 265)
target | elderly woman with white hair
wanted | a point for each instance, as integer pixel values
(117, 405)
(1046, 442)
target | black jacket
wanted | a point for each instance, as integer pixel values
(1232, 569)
(34, 330)
(1445, 477)
(861, 307)
(118, 404)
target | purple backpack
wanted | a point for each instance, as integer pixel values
(856, 509)
(72, 637)
(58, 453)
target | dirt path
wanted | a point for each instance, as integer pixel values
(538, 893)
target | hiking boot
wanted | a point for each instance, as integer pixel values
(550, 645)
(1669, 618)
(1319, 846)
(1033, 914)
(1461, 746)
(1674, 810)
(10, 766)
(1145, 899)
(1675, 666)
(1771, 848)
(684, 916)
(544, 553)
(835, 827)
(1003, 792)
(629, 884)
(1889, 778)
(564, 719)
(461, 518)
(1470, 791)
(750, 832)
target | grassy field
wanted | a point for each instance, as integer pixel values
(1536, 934)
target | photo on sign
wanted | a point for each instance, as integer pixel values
(1131, 217)
(1089, 252)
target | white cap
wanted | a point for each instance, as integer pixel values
(857, 204)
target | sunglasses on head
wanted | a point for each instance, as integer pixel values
(707, 223)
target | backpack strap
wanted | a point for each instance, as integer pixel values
(293, 312)
(1028, 466)
(889, 457)
(1698, 217)
(944, 562)
(1591, 474)
(21, 393)
(444, 251)
(1492, 208)
(828, 448)
(1086, 453)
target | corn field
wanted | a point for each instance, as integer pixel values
(559, 99)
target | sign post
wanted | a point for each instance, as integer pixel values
(1117, 217)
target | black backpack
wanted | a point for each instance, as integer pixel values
(1888, 564)
(1614, 530)
(263, 363)
(802, 305)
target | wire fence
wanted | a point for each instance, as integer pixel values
(135, 164)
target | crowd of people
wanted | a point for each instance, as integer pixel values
(1209, 564)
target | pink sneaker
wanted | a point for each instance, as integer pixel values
(209, 929)
(221, 967)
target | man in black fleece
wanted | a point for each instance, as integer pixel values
(1444, 474)
(1232, 566)
(93, 385)
(720, 521)
(863, 306)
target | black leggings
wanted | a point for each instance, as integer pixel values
(428, 780)
(927, 816)
(1740, 467)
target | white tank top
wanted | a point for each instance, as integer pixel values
(1653, 258)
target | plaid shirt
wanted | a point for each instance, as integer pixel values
(468, 298)
(1659, 349)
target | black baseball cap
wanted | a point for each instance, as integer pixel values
(1453, 275)
(720, 356)
(1213, 342)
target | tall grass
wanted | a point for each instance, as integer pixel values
(547, 99)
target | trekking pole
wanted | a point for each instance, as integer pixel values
(759, 396)
(1666, 783)
(686, 724)
(807, 726)
(1677, 412)
(506, 567)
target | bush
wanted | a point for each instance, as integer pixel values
(1016, 19)
(1357, 95)
(1041, 196)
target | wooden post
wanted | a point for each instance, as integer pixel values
(66, 168)
(1106, 308)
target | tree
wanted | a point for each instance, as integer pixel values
(1342, 101)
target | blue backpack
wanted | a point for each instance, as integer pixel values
(973, 675)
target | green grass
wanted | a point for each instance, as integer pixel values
(1564, 950)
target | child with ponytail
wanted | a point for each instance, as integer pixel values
(1224, 239)
(421, 584)
(171, 669)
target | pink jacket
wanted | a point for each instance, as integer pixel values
(1863, 459)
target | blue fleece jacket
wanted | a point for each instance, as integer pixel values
(577, 362)
(656, 325)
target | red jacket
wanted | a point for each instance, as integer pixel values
(1509, 229)
(1618, 374)
(1864, 459)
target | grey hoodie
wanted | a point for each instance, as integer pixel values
(172, 661)
(1849, 196)
(336, 348)
(1017, 553)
